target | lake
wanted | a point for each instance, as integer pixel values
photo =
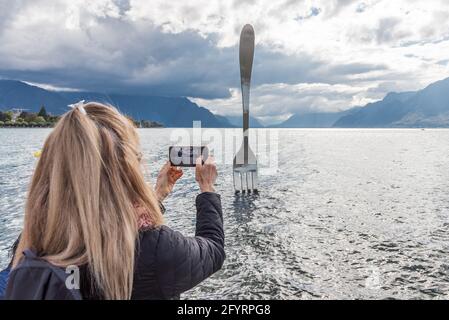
(350, 213)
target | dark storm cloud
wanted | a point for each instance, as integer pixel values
(118, 56)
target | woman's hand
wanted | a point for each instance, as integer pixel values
(206, 174)
(166, 180)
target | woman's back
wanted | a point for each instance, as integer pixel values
(89, 207)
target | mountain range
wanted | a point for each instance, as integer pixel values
(169, 111)
(428, 107)
(237, 121)
(314, 120)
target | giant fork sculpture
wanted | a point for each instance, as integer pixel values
(245, 162)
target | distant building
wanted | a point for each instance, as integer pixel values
(16, 113)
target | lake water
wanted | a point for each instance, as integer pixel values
(350, 214)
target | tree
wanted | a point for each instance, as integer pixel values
(42, 113)
(2, 123)
(6, 116)
(52, 119)
(27, 116)
(40, 120)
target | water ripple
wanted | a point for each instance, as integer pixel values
(351, 214)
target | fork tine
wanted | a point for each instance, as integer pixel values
(254, 181)
(245, 181)
(236, 179)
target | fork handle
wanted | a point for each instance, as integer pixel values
(246, 56)
(245, 99)
(245, 136)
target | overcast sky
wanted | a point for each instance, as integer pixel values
(310, 56)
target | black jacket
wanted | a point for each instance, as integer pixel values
(167, 263)
(170, 263)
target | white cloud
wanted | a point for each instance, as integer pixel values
(274, 103)
(311, 54)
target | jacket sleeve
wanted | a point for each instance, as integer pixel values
(183, 262)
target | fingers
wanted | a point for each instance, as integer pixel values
(170, 166)
(169, 169)
(166, 167)
(210, 163)
(210, 160)
(176, 173)
(199, 162)
(198, 168)
(174, 169)
(206, 174)
(179, 174)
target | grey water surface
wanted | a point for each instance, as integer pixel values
(350, 213)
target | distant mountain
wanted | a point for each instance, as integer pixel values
(225, 121)
(428, 107)
(171, 112)
(314, 120)
(16, 94)
(237, 121)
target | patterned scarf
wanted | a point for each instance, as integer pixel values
(143, 220)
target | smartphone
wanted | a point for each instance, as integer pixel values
(186, 156)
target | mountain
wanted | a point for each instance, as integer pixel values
(378, 114)
(314, 120)
(16, 94)
(428, 107)
(225, 121)
(237, 121)
(170, 111)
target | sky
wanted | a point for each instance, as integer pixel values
(311, 55)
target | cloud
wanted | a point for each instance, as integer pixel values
(353, 51)
(276, 102)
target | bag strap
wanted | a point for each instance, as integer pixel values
(29, 254)
(59, 272)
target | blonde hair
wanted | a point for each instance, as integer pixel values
(81, 202)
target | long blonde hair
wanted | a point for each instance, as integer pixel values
(81, 203)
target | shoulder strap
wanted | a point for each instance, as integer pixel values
(58, 271)
(29, 254)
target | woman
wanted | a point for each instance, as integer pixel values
(89, 206)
